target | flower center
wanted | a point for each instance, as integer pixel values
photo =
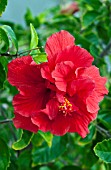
(66, 107)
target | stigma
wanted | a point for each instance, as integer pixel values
(66, 107)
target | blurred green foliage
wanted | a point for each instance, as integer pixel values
(91, 27)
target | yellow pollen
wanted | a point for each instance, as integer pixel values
(66, 107)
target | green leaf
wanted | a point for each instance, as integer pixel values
(81, 40)
(103, 150)
(4, 62)
(3, 70)
(4, 155)
(48, 137)
(71, 168)
(34, 20)
(89, 158)
(37, 140)
(3, 4)
(89, 17)
(13, 158)
(34, 37)
(13, 43)
(39, 57)
(92, 37)
(99, 166)
(24, 160)
(2, 76)
(94, 51)
(4, 41)
(44, 154)
(28, 17)
(95, 4)
(103, 32)
(104, 117)
(24, 140)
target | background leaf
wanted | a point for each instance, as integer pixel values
(44, 154)
(71, 168)
(94, 51)
(95, 4)
(4, 155)
(48, 137)
(3, 4)
(103, 150)
(4, 62)
(24, 160)
(13, 43)
(89, 17)
(24, 140)
(4, 41)
(2, 76)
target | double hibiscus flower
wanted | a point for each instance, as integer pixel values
(60, 95)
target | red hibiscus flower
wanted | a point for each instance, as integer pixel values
(61, 95)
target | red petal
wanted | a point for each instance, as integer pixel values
(42, 121)
(86, 106)
(21, 72)
(58, 42)
(46, 72)
(83, 87)
(93, 73)
(24, 123)
(79, 56)
(62, 73)
(92, 103)
(80, 119)
(30, 100)
(79, 122)
(52, 109)
(60, 125)
(78, 125)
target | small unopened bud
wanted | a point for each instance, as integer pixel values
(70, 8)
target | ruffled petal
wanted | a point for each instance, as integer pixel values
(93, 73)
(22, 72)
(62, 74)
(79, 56)
(57, 126)
(42, 121)
(83, 87)
(51, 109)
(30, 100)
(58, 42)
(24, 123)
(46, 72)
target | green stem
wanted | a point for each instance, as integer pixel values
(103, 131)
(19, 53)
(106, 50)
(5, 121)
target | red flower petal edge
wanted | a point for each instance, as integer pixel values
(61, 95)
(24, 123)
